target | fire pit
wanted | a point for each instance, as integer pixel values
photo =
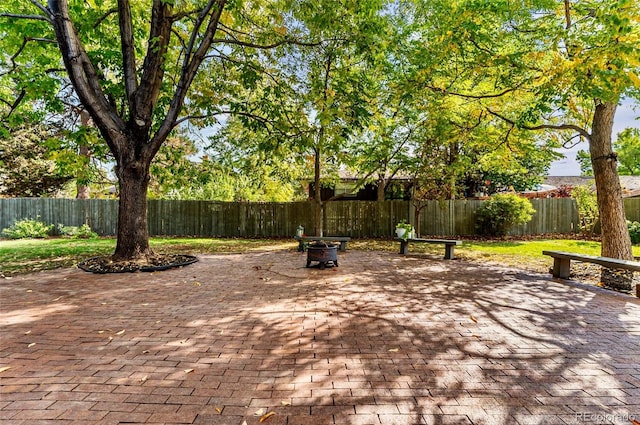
(322, 253)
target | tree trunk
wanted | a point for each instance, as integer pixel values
(82, 188)
(616, 242)
(133, 232)
(382, 183)
(319, 205)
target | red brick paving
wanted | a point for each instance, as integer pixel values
(383, 339)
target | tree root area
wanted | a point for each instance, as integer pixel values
(157, 262)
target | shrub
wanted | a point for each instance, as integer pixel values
(499, 214)
(587, 203)
(634, 231)
(27, 229)
(82, 232)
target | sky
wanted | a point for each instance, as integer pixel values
(625, 117)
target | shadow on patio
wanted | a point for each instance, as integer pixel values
(383, 339)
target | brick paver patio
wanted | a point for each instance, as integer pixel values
(383, 339)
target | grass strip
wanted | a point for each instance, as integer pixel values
(30, 255)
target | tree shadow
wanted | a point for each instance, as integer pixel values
(381, 339)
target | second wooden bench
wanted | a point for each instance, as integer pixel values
(449, 245)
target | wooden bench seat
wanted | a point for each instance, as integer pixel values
(449, 245)
(304, 240)
(562, 262)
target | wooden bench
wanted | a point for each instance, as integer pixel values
(449, 245)
(562, 262)
(304, 240)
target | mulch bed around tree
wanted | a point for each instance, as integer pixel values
(158, 262)
(591, 274)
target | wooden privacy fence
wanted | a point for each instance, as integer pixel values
(358, 219)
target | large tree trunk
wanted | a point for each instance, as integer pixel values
(616, 242)
(133, 233)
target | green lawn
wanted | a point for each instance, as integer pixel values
(28, 255)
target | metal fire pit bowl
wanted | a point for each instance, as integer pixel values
(323, 254)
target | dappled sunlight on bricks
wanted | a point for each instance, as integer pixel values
(380, 339)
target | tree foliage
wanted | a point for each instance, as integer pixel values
(627, 148)
(541, 65)
(30, 163)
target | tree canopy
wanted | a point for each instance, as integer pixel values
(447, 91)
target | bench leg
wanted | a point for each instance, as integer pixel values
(561, 267)
(343, 246)
(448, 252)
(404, 247)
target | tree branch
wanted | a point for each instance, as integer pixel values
(13, 106)
(20, 16)
(151, 81)
(83, 75)
(575, 128)
(105, 16)
(44, 9)
(128, 52)
(190, 67)
(472, 96)
(265, 46)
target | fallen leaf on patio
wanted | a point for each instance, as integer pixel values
(259, 412)
(219, 410)
(31, 345)
(266, 416)
(57, 299)
(120, 332)
(188, 370)
(244, 423)
(100, 332)
(29, 290)
(27, 332)
(394, 350)
(474, 319)
(145, 352)
(285, 403)
(476, 336)
(635, 422)
(2, 369)
(197, 283)
(144, 378)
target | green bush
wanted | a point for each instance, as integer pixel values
(82, 232)
(587, 203)
(634, 231)
(27, 229)
(499, 214)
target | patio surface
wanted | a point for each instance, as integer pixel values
(382, 339)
